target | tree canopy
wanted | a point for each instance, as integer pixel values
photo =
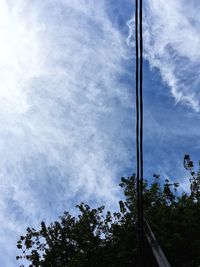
(99, 238)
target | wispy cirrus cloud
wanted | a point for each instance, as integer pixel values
(172, 41)
(63, 110)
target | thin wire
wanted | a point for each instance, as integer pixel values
(141, 112)
(141, 127)
(138, 131)
(137, 112)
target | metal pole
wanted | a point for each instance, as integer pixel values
(156, 249)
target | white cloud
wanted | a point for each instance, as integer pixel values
(172, 41)
(63, 109)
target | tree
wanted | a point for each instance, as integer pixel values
(97, 238)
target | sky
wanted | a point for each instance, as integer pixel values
(67, 116)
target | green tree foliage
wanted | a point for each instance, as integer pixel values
(96, 238)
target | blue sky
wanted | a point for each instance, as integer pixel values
(67, 103)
